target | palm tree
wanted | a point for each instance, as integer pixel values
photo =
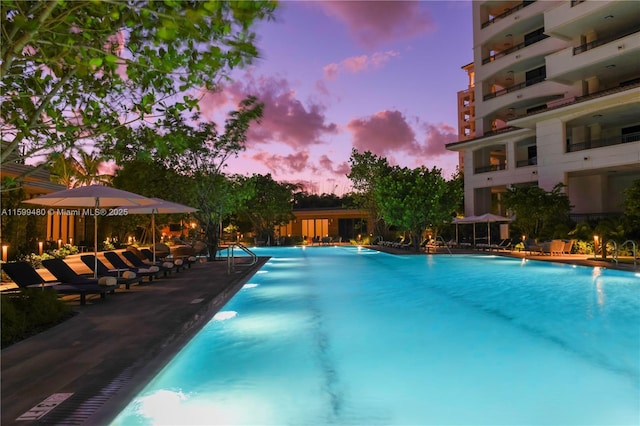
(63, 169)
(88, 171)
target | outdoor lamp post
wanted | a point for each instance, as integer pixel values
(596, 244)
(40, 247)
(5, 249)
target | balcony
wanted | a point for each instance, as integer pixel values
(491, 168)
(515, 48)
(506, 13)
(569, 19)
(513, 88)
(600, 143)
(527, 162)
(600, 42)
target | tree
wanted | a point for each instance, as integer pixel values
(76, 71)
(366, 170)
(415, 199)
(270, 205)
(200, 154)
(632, 210)
(305, 200)
(151, 179)
(537, 211)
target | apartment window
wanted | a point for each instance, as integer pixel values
(630, 134)
(534, 36)
(536, 108)
(532, 155)
(536, 75)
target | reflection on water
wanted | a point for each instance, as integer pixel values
(341, 337)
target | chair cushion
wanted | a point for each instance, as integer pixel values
(108, 281)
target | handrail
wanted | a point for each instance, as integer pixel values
(439, 237)
(614, 253)
(231, 258)
(633, 244)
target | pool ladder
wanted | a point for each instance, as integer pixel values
(231, 257)
(439, 238)
(614, 254)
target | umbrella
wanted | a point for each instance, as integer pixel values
(485, 218)
(95, 197)
(160, 206)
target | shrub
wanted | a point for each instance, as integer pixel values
(35, 260)
(29, 312)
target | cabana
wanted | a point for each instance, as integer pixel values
(487, 218)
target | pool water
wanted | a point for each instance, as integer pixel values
(349, 336)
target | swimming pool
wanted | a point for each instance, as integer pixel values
(341, 335)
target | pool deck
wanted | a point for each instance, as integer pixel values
(105, 354)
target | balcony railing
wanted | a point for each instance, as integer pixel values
(491, 168)
(514, 88)
(507, 13)
(623, 86)
(499, 131)
(596, 43)
(515, 48)
(599, 143)
(528, 162)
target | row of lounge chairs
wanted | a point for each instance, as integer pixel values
(552, 248)
(399, 243)
(129, 268)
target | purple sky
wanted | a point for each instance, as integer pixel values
(379, 76)
(333, 75)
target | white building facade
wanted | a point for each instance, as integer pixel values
(557, 100)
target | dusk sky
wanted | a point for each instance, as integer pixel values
(377, 76)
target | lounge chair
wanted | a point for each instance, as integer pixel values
(119, 263)
(164, 267)
(502, 245)
(23, 274)
(185, 253)
(64, 273)
(568, 245)
(125, 278)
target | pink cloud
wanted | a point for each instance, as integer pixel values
(297, 162)
(356, 64)
(372, 23)
(383, 133)
(286, 119)
(331, 71)
(437, 136)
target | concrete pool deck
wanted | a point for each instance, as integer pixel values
(105, 354)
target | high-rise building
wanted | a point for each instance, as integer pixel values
(467, 111)
(557, 100)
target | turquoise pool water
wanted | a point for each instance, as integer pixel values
(344, 336)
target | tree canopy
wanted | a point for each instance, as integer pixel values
(537, 211)
(269, 206)
(366, 170)
(415, 199)
(78, 71)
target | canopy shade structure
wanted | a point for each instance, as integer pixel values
(487, 218)
(92, 196)
(159, 207)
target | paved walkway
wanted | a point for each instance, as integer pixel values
(106, 353)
